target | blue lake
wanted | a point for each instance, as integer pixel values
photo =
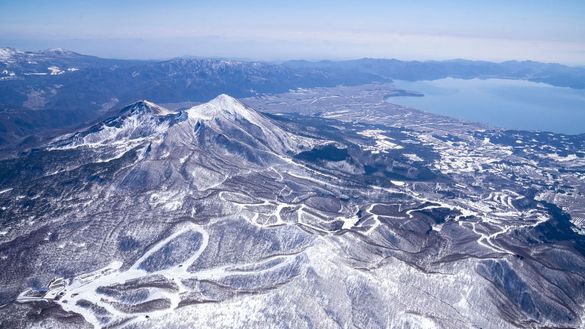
(512, 104)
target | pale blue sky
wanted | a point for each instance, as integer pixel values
(552, 31)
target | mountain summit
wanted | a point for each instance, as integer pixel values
(222, 125)
(146, 106)
(222, 106)
(228, 117)
(211, 141)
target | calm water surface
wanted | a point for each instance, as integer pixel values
(512, 104)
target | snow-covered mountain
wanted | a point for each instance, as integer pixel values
(47, 62)
(223, 126)
(8, 55)
(220, 216)
(228, 117)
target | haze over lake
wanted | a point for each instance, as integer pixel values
(512, 104)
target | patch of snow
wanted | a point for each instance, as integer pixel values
(413, 157)
(349, 222)
(55, 70)
(8, 73)
(322, 98)
(5, 190)
(556, 157)
(383, 143)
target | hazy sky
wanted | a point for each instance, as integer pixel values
(551, 31)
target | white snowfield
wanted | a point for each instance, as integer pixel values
(55, 70)
(85, 288)
(383, 142)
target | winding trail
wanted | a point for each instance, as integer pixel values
(72, 295)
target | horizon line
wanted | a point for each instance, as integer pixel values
(282, 61)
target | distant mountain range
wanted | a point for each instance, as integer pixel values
(553, 74)
(42, 93)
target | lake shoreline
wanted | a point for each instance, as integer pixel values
(498, 103)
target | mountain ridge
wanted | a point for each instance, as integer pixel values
(223, 125)
(49, 92)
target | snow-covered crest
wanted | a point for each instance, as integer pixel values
(7, 54)
(148, 106)
(225, 111)
(224, 115)
(137, 121)
(226, 107)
